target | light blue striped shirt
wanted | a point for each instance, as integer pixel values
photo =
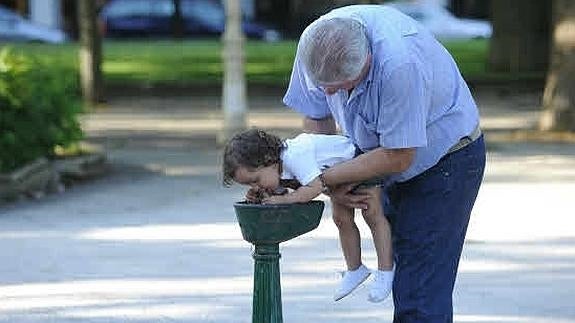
(413, 96)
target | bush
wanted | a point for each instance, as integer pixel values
(39, 108)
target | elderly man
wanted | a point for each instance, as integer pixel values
(398, 94)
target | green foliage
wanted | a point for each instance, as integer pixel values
(39, 106)
(166, 62)
(190, 62)
(470, 55)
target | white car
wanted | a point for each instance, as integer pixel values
(14, 27)
(442, 23)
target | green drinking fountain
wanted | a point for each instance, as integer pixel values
(266, 226)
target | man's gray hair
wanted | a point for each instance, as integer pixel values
(333, 50)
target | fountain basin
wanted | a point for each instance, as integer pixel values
(275, 223)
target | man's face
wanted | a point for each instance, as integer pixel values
(332, 88)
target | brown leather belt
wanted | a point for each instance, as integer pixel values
(474, 135)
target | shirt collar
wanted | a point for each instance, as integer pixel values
(360, 88)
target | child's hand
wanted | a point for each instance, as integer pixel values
(275, 199)
(256, 195)
(252, 195)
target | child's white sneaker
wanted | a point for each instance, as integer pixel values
(351, 280)
(381, 285)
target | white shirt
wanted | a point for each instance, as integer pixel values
(413, 96)
(306, 155)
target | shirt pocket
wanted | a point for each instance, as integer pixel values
(364, 134)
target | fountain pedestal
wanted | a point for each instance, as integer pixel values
(266, 226)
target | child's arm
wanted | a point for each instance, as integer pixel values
(304, 193)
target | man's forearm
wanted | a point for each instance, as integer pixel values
(376, 163)
(324, 126)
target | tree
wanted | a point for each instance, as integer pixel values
(234, 88)
(520, 40)
(178, 20)
(559, 94)
(90, 52)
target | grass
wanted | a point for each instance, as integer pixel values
(177, 62)
(471, 56)
(191, 62)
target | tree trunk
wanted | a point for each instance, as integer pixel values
(90, 53)
(22, 7)
(520, 40)
(178, 20)
(234, 88)
(559, 95)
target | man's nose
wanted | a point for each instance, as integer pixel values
(330, 90)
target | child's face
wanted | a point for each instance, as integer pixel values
(263, 177)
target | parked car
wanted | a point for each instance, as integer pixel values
(154, 18)
(14, 27)
(442, 23)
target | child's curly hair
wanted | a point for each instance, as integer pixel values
(252, 149)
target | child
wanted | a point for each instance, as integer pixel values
(266, 163)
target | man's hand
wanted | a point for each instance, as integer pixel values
(343, 195)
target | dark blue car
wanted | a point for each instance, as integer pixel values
(134, 18)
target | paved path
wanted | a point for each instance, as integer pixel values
(157, 240)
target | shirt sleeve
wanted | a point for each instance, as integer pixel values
(303, 96)
(300, 160)
(403, 110)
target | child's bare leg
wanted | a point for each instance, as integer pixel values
(383, 277)
(351, 246)
(380, 230)
(349, 237)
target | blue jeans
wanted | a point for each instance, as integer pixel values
(429, 215)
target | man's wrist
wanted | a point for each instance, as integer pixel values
(324, 187)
